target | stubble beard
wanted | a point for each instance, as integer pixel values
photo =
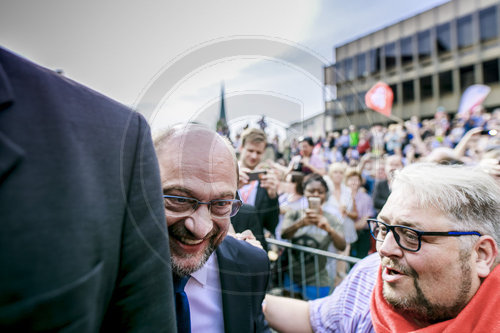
(419, 307)
(180, 262)
(179, 266)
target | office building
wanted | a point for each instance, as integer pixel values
(428, 60)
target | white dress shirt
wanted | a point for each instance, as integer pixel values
(205, 299)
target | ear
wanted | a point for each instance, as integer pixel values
(486, 254)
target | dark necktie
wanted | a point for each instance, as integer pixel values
(182, 304)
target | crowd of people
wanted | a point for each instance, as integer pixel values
(356, 166)
(105, 229)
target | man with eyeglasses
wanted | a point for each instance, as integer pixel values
(225, 279)
(436, 269)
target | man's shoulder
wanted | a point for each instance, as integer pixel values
(347, 309)
(243, 249)
(369, 264)
(33, 78)
(242, 253)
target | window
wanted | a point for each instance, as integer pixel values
(406, 51)
(490, 71)
(349, 103)
(424, 44)
(443, 38)
(426, 87)
(466, 77)
(445, 83)
(408, 93)
(361, 100)
(349, 70)
(361, 65)
(464, 31)
(394, 88)
(339, 70)
(390, 56)
(488, 27)
(374, 60)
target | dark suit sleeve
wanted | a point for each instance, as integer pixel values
(269, 211)
(260, 281)
(244, 273)
(261, 265)
(143, 298)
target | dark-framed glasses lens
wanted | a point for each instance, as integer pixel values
(408, 238)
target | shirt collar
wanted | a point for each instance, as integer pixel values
(201, 275)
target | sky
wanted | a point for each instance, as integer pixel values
(167, 59)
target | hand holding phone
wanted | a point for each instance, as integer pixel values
(256, 175)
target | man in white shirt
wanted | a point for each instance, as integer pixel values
(227, 278)
(262, 193)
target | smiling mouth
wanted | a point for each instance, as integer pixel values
(189, 241)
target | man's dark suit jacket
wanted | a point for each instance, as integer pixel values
(380, 194)
(83, 243)
(248, 219)
(268, 209)
(244, 276)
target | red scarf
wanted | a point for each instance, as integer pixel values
(481, 314)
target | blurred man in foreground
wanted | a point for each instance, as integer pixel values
(83, 246)
(436, 268)
(225, 279)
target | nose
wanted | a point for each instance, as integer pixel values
(200, 222)
(389, 247)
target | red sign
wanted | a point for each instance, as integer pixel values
(379, 98)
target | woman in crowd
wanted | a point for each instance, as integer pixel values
(314, 228)
(307, 162)
(364, 207)
(292, 197)
(341, 204)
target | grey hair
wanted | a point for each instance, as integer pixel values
(466, 195)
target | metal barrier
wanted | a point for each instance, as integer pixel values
(277, 278)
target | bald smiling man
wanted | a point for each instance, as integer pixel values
(226, 278)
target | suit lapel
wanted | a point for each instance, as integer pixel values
(236, 300)
(11, 154)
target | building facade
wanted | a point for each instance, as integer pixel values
(428, 60)
(313, 126)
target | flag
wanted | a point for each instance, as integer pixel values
(472, 97)
(379, 98)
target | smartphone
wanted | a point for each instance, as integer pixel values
(255, 175)
(314, 203)
(492, 132)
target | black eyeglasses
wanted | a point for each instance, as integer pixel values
(408, 238)
(183, 206)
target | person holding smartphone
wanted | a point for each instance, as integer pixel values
(314, 228)
(257, 187)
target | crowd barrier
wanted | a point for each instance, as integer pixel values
(281, 265)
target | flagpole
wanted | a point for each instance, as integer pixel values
(396, 119)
